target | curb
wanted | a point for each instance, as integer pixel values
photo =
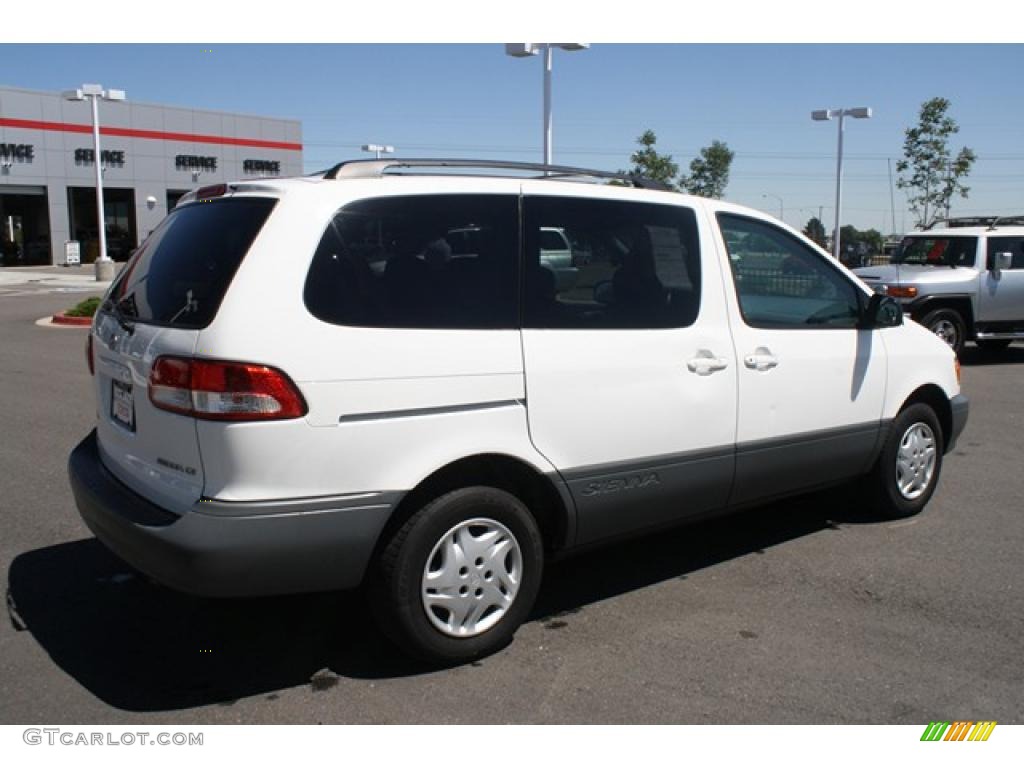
(61, 319)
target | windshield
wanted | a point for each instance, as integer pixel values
(937, 251)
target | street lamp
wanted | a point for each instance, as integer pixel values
(828, 114)
(781, 210)
(104, 266)
(523, 50)
(378, 148)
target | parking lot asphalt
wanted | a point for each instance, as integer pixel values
(800, 612)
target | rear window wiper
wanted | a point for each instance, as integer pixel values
(191, 305)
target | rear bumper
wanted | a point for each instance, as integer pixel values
(959, 407)
(240, 550)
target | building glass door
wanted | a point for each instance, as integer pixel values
(24, 227)
(119, 212)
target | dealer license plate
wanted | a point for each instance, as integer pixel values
(122, 405)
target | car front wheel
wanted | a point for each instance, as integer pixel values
(459, 577)
(907, 471)
(948, 325)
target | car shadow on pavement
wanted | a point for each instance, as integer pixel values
(973, 356)
(141, 647)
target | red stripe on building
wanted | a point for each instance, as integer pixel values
(136, 133)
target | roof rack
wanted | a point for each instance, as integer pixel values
(978, 221)
(372, 169)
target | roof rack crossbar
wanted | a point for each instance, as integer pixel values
(991, 222)
(369, 169)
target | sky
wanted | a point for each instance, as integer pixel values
(471, 100)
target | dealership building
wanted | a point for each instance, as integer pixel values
(150, 156)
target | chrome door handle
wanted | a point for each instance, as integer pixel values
(761, 360)
(705, 363)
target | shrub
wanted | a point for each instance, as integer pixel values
(85, 308)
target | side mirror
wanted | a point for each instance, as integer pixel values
(882, 312)
(1000, 261)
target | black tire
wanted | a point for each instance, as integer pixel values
(993, 345)
(948, 325)
(396, 587)
(882, 483)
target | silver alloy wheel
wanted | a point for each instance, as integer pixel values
(471, 577)
(915, 460)
(945, 330)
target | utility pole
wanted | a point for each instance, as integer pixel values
(892, 196)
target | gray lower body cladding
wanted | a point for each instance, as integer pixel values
(274, 548)
(619, 499)
(959, 408)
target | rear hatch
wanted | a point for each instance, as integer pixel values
(170, 289)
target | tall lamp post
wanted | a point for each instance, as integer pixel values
(828, 114)
(781, 209)
(523, 50)
(377, 149)
(104, 266)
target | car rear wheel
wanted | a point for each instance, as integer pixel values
(948, 326)
(907, 471)
(459, 577)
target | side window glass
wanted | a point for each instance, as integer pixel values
(609, 264)
(425, 261)
(781, 283)
(1014, 245)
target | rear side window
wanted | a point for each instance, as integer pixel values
(609, 264)
(419, 261)
(1014, 245)
(180, 274)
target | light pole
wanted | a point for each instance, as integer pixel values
(781, 210)
(377, 149)
(828, 114)
(523, 50)
(104, 266)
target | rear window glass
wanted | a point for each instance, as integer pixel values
(937, 251)
(180, 274)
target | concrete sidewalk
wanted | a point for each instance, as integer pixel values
(54, 278)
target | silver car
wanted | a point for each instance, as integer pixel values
(962, 283)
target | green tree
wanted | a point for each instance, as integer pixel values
(865, 242)
(927, 169)
(709, 173)
(815, 230)
(648, 162)
(874, 239)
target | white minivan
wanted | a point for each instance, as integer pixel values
(374, 376)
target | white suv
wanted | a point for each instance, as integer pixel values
(370, 377)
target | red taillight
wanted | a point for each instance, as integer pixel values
(223, 391)
(88, 354)
(170, 384)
